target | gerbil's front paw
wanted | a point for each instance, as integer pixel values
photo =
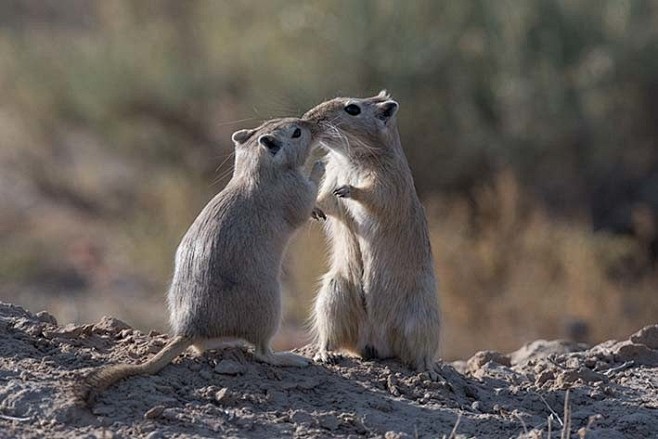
(317, 172)
(318, 215)
(344, 191)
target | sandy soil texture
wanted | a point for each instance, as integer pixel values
(611, 390)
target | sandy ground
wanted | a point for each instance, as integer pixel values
(606, 391)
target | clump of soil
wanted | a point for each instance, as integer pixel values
(611, 390)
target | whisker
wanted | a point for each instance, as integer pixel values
(227, 158)
(226, 172)
(233, 122)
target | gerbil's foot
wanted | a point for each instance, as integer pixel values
(432, 371)
(344, 191)
(286, 359)
(369, 353)
(317, 172)
(327, 357)
(318, 215)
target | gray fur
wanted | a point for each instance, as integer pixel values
(226, 277)
(379, 297)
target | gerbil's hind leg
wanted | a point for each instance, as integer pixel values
(325, 355)
(208, 344)
(337, 316)
(265, 354)
(431, 369)
(369, 353)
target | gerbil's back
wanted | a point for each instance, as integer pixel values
(230, 242)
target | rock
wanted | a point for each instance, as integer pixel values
(541, 349)
(391, 385)
(103, 409)
(460, 366)
(647, 336)
(308, 384)
(583, 374)
(229, 367)
(110, 325)
(639, 353)
(69, 331)
(395, 435)
(301, 417)
(328, 422)
(544, 377)
(224, 396)
(483, 357)
(46, 317)
(154, 412)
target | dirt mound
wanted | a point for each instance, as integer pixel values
(612, 390)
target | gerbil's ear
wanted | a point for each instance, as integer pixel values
(384, 94)
(239, 137)
(270, 143)
(386, 110)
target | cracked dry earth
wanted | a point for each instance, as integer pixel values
(612, 390)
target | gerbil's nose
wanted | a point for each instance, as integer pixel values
(269, 142)
(309, 125)
(390, 107)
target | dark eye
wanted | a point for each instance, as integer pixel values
(296, 133)
(353, 110)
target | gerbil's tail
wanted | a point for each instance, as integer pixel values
(103, 377)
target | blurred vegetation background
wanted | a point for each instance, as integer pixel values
(531, 127)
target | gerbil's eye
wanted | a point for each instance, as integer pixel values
(353, 110)
(296, 133)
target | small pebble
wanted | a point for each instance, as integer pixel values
(154, 412)
(229, 367)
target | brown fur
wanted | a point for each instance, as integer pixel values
(379, 297)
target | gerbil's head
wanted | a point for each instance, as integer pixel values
(277, 143)
(356, 126)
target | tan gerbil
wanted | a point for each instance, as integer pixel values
(379, 297)
(226, 277)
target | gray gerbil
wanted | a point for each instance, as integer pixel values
(226, 277)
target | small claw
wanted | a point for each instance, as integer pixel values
(433, 373)
(318, 215)
(344, 191)
(327, 357)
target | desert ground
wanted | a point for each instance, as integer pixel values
(544, 389)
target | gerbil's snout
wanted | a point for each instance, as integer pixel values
(315, 115)
(311, 115)
(386, 110)
(270, 142)
(306, 124)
